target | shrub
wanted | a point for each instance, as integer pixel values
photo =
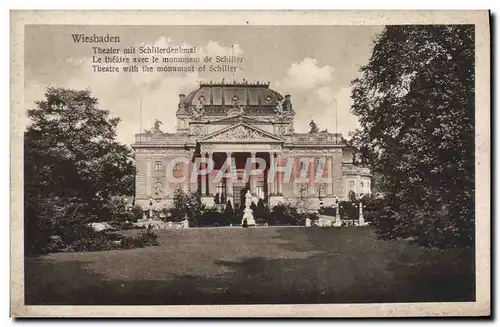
(212, 217)
(187, 205)
(329, 211)
(115, 209)
(261, 213)
(348, 210)
(137, 213)
(96, 241)
(229, 213)
(55, 245)
(146, 238)
(284, 214)
(291, 214)
(313, 216)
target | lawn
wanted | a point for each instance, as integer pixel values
(254, 265)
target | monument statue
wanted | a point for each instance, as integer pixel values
(248, 212)
(314, 127)
(248, 199)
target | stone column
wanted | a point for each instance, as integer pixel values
(279, 188)
(185, 174)
(230, 181)
(295, 175)
(166, 186)
(148, 177)
(312, 188)
(209, 182)
(252, 177)
(270, 181)
(329, 188)
(193, 187)
(338, 188)
(203, 178)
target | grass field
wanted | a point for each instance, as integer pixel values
(254, 265)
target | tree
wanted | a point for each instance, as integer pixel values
(351, 196)
(73, 165)
(187, 205)
(415, 104)
(262, 213)
(137, 212)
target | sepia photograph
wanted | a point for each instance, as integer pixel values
(181, 164)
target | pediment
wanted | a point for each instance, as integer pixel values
(241, 133)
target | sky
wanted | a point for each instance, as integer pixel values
(314, 64)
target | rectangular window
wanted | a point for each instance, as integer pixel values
(157, 165)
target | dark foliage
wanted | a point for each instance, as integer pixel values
(286, 214)
(187, 205)
(415, 104)
(329, 211)
(137, 213)
(262, 213)
(145, 238)
(212, 217)
(74, 169)
(348, 210)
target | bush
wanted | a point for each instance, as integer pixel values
(348, 210)
(84, 239)
(286, 214)
(313, 216)
(146, 238)
(262, 213)
(329, 211)
(137, 213)
(115, 209)
(212, 217)
(187, 205)
(95, 241)
(55, 245)
(229, 213)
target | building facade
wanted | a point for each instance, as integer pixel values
(234, 137)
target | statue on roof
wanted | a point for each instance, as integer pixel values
(156, 125)
(198, 109)
(314, 127)
(280, 113)
(156, 128)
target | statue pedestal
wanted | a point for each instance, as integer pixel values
(248, 215)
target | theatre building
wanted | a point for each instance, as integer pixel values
(228, 124)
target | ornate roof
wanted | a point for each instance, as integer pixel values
(235, 93)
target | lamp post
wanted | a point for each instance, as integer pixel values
(337, 212)
(361, 218)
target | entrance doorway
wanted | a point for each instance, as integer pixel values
(239, 195)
